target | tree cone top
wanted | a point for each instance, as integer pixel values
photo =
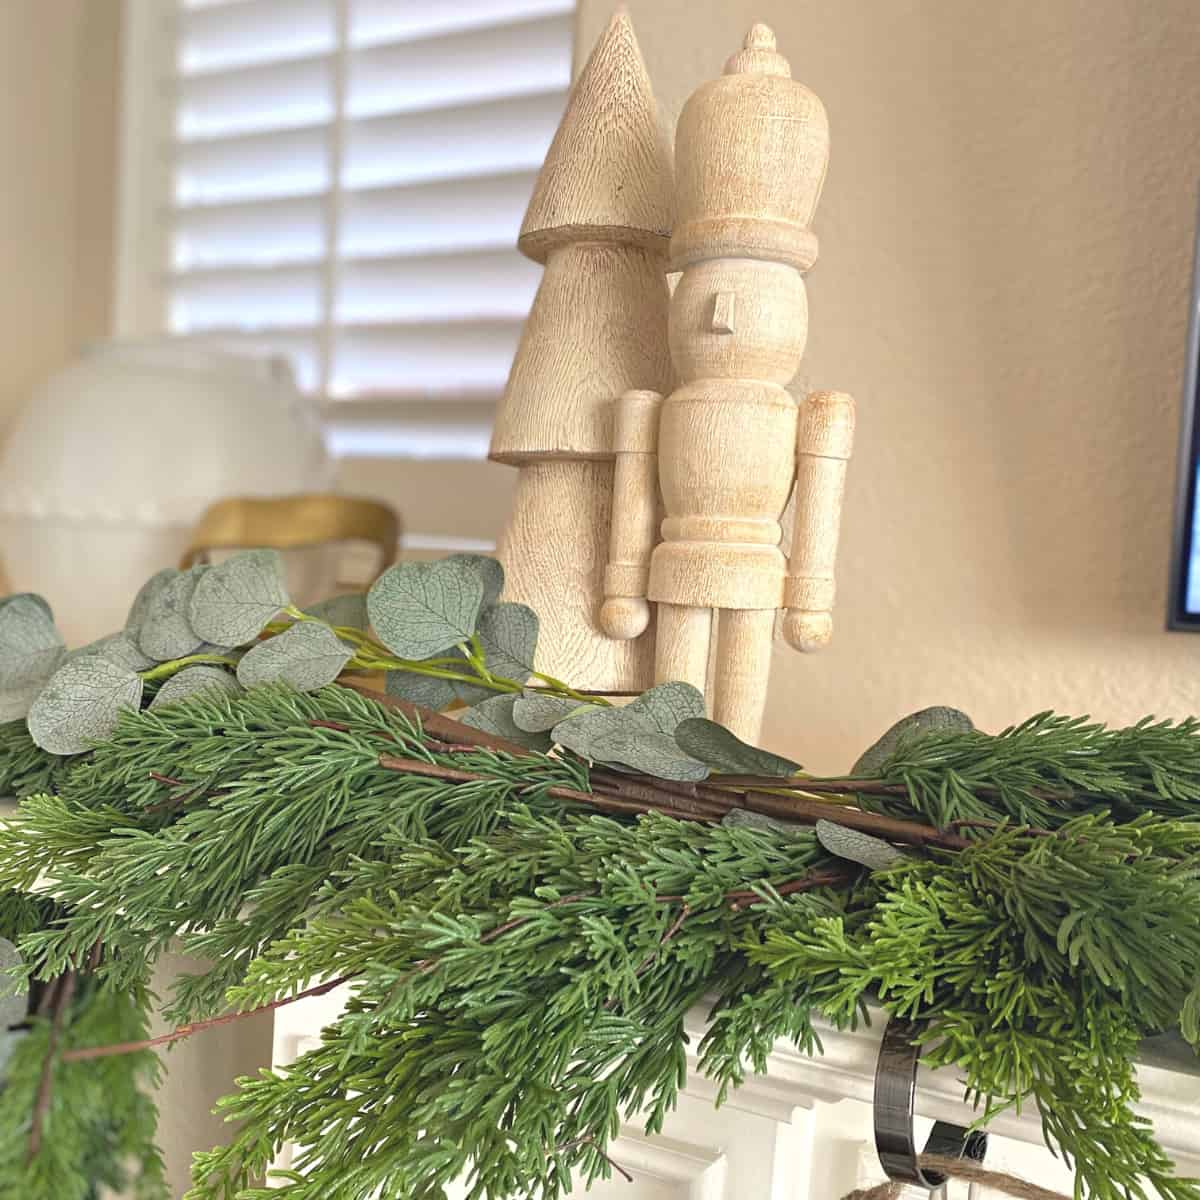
(607, 175)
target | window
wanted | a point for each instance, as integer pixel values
(343, 181)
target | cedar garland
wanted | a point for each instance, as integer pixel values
(520, 913)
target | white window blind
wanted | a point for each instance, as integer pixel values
(344, 182)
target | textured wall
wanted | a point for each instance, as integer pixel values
(58, 65)
(1003, 285)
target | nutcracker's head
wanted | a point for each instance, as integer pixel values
(739, 318)
(751, 150)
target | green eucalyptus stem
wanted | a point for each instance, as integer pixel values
(371, 655)
(165, 670)
(558, 688)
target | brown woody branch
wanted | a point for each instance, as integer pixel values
(444, 728)
(184, 1031)
(709, 801)
(64, 994)
(643, 795)
(834, 877)
(612, 792)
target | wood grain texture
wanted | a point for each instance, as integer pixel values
(554, 551)
(599, 219)
(726, 460)
(598, 327)
(743, 663)
(751, 150)
(607, 174)
(635, 516)
(824, 440)
(681, 653)
(738, 318)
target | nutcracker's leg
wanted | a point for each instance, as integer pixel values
(743, 665)
(681, 644)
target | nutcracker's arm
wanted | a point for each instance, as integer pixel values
(824, 438)
(635, 515)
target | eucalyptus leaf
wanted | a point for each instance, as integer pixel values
(650, 752)
(82, 704)
(659, 710)
(938, 719)
(425, 690)
(199, 678)
(16, 701)
(857, 846)
(639, 735)
(40, 601)
(165, 631)
(417, 609)
(495, 715)
(582, 730)
(31, 649)
(745, 818)
(119, 648)
(508, 634)
(724, 751)
(1189, 1019)
(348, 611)
(489, 570)
(14, 986)
(306, 655)
(137, 611)
(666, 705)
(536, 713)
(237, 598)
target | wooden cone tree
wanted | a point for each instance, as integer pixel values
(600, 220)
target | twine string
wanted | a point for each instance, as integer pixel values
(967, 1170)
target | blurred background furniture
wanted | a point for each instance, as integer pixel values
(314, 531)
(113, 461)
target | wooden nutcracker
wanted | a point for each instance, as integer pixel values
(730, 443)
(600, 220)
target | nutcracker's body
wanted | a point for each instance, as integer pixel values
(751, 150)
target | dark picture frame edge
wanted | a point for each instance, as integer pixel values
(1183, 531)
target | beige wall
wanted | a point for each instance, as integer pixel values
(1003, 284)
(58, 62)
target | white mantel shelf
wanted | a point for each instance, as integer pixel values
(802, 1130)
(846, 1071)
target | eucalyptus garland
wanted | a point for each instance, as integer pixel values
(526, 901)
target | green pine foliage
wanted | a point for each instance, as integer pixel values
(26, 769)
(261, 806)
(1037, 962)
(99, 1123)
(521, 966)
(1047, 770)
(517, 995)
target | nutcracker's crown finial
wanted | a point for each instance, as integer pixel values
(758, 55)
(760, 37)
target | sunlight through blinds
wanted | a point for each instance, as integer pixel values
(348, 180)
